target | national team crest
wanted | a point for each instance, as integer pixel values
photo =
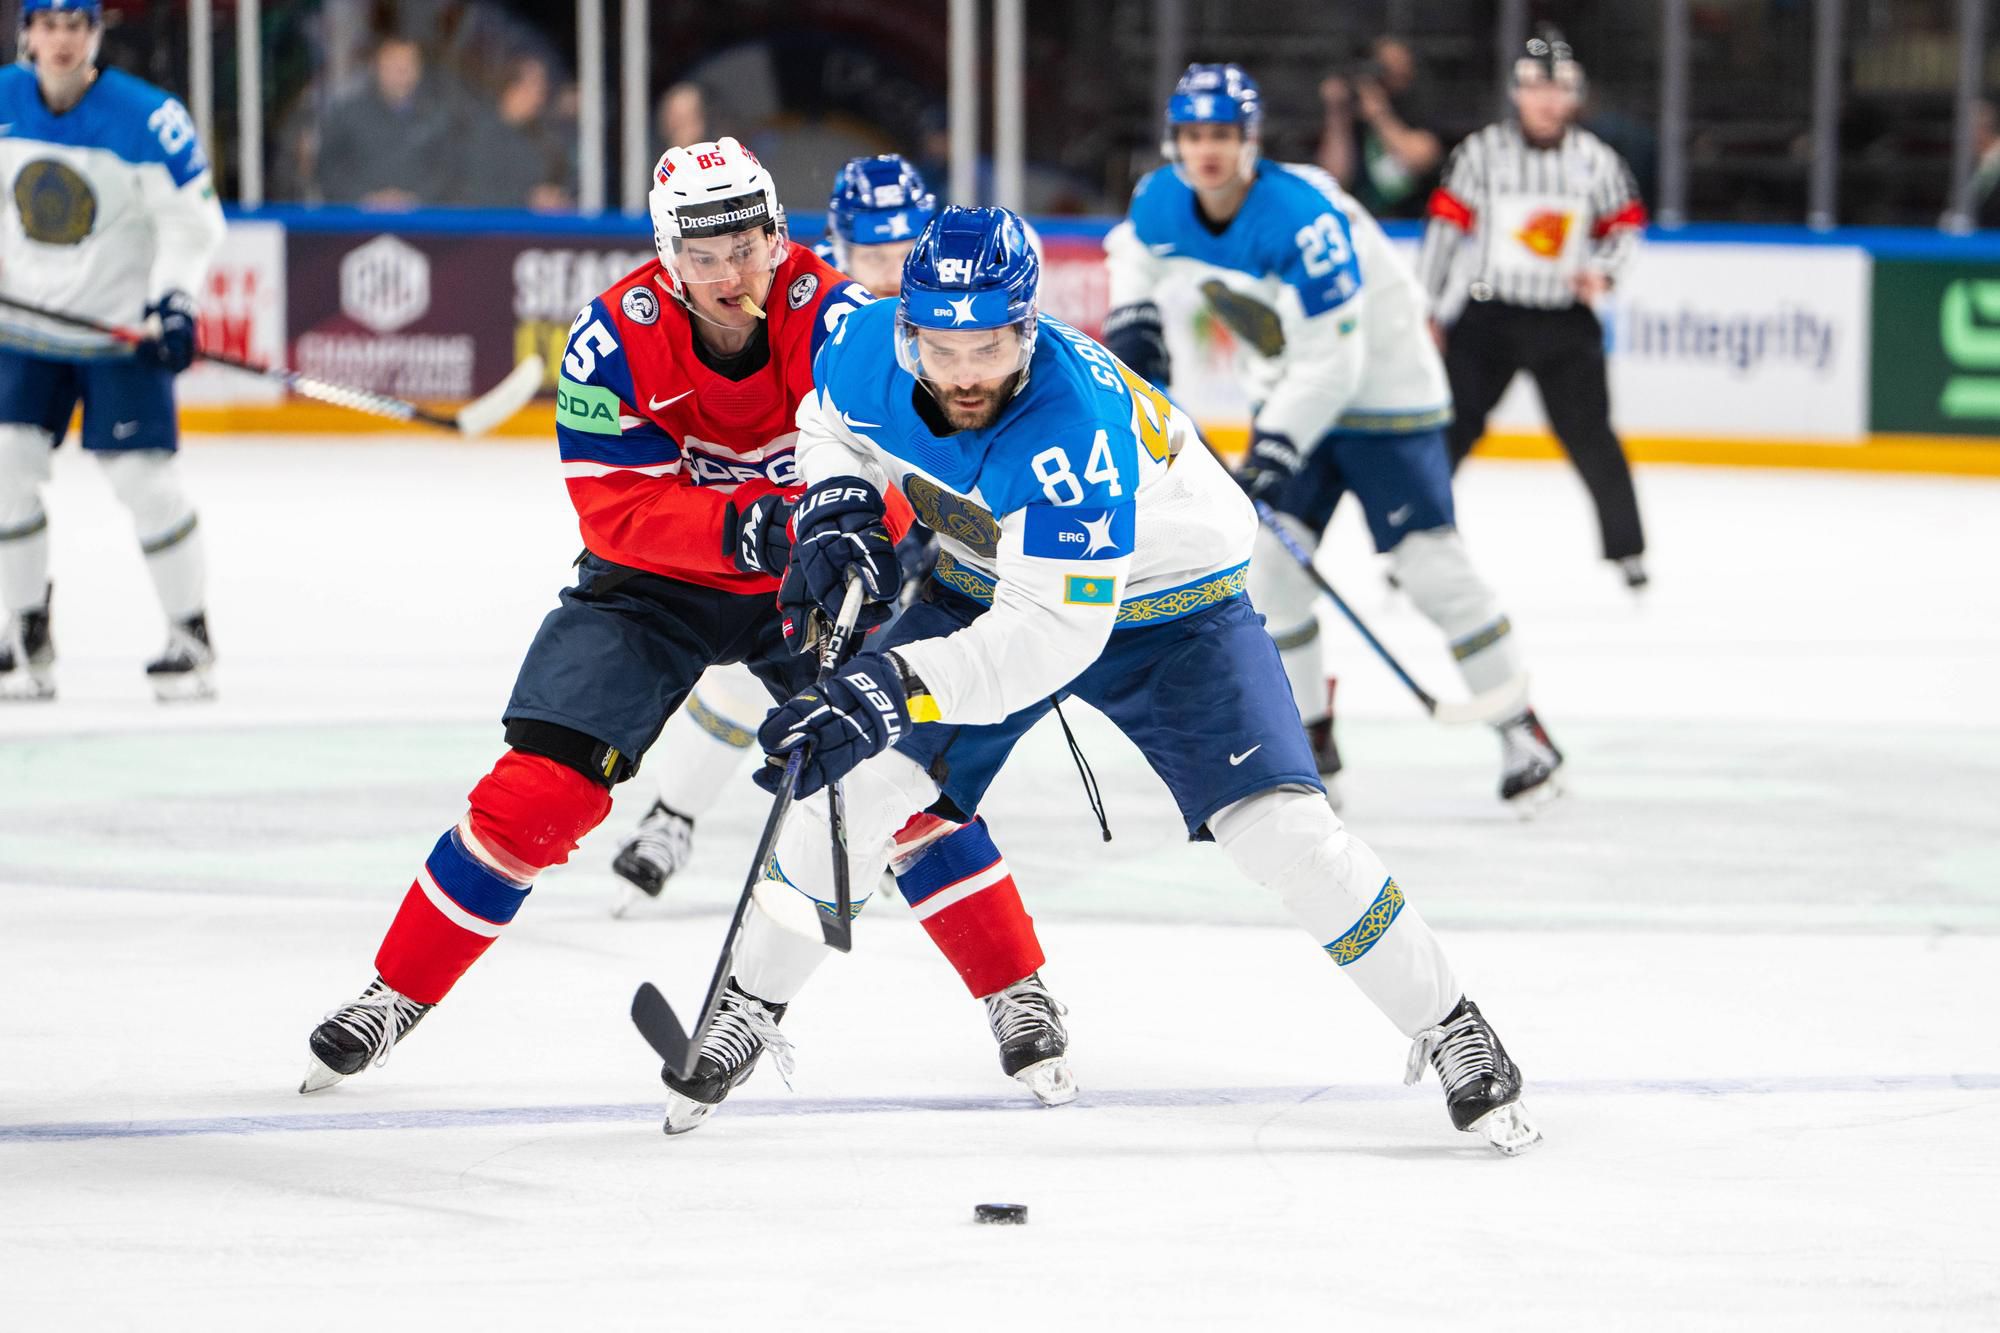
(640, 305)
(953, 516)
(802, 291)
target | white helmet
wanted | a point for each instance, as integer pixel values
(711, 189)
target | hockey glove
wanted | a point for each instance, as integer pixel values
(173, 347)
(838, 528)
(759, 539)
(1273, 460)
(854, 714)
(1135, 336)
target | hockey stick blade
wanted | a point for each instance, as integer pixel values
(660, 1025)
(488, 411)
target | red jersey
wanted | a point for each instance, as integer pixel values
(657, 444)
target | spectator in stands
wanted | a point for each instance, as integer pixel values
(392, 145)
(681, 118)
(1986, 165)
(515, 157)
(1376, 140)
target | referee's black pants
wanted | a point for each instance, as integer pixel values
(1564, 351)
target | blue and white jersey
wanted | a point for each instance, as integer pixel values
(107, 206)
(1330, 323)
(1090, 505)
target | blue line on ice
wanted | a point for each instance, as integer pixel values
(620, 1112)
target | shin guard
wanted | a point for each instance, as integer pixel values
(964, 896)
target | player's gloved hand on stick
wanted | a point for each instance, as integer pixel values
(839, 527)
(759, 536)
(855, 713)
(173, 347)
(1136, 336)
(1272, 461)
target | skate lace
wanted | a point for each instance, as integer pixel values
(1462, 1050)
(1023, 1008)
(663, 837)
(378, 1018)
(743, 1027)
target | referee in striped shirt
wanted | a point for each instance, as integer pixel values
(1532, 223)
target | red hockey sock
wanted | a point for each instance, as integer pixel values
(526, 815)
(963, 894)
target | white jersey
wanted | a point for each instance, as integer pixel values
(1090, 506)
(1329, 319)
(107, 207)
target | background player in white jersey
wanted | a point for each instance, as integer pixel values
(877, 207)
(1348, 388)
(109, 212)
(1093, 547)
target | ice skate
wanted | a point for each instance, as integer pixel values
(1482, 1087)
(28, 656)
(656, 851)
(181, 673)
(744, 1027)
(1027, 1023)
(1529, 763)
(359, 1034)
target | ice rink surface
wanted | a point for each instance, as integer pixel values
(1750, 965)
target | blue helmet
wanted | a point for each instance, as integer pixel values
(1216, 95)
(877, 201)
(972, 268)
(93, 9)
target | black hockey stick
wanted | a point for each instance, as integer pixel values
(651, 1014)
(1497, 704)
(476, 418)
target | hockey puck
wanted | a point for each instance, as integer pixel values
(1001, 1214)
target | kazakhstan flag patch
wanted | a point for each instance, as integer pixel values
(1083, 590)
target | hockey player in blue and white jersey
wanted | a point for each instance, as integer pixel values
(1092, 547)
(1348, 389)
(877, 207)
(110, 213)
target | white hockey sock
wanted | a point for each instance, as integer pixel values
(24, 525)
(1435, 570)
(708, 740)
(1290, 841)
(147, 482)
(781, 944)
(1288, 599)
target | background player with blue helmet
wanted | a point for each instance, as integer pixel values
(1349, 390)
(109, 212)
(1093, 547)
(878, 206)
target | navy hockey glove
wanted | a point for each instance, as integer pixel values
(759, 539)
(1272, 461)
(1135, 336)
(854, 714)
(173, 348)
(838, 528)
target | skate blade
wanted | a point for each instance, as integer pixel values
(1532, 802)
(187, 688)
(1050, 1080)
(20, 688)
(685, 1113)
(1508, 1129)
(318, 1076)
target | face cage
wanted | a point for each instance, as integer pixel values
(670, 257)
(910, 358)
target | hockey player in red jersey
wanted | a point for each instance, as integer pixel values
(675, 420)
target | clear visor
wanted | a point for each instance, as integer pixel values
(964, 356)
(735, 258)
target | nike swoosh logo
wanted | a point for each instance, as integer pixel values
(654, 404)
(1236, 759)
(1397, 516)
(124, 430)
(855, 423)
(1165, 249)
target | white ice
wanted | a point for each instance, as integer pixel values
(1749, 966)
